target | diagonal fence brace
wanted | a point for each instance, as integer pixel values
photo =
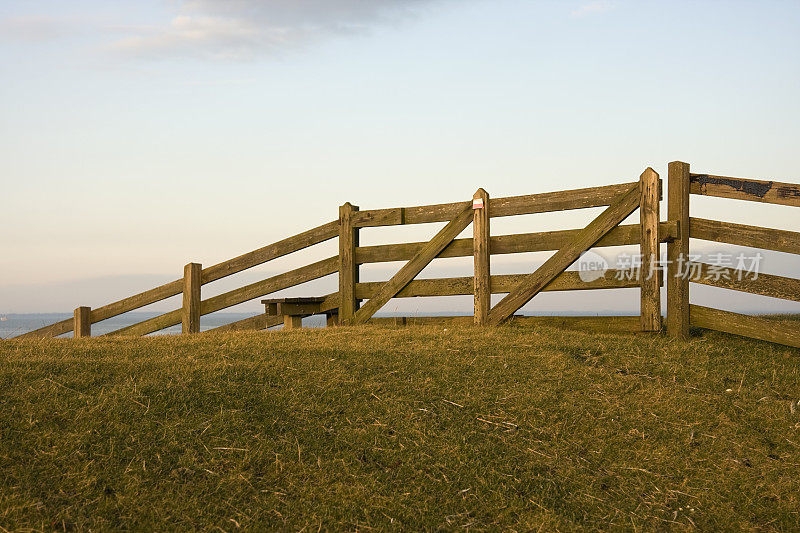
(411, 269)
(562, 259)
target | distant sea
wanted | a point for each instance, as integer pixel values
(17, 324)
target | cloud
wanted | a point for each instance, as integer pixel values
(593, 8)
(244, 29)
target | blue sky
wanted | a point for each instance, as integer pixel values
(139, 136)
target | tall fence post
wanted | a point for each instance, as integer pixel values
(82, 322)
(190, 314)
(480, 251)
(678, 251)
(348, 268)
(649, 248)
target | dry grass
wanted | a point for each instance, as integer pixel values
(415, 428)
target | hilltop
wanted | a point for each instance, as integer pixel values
(400, 428)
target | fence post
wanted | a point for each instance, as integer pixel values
(190, 314)
(678, 251)
(649, 248)
(480, 251)
(348, 268)
(82, 322)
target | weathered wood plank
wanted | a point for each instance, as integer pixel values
(564, 257)
(263, 321)
(650, 294)
(294, 300)
(738, 280)
(433, 213)
(393, 216)
(415, 265)
(190, 313)
(558, 201)
(267, 253)
(545, 241)
(256, 322)
(130, 303)
(598, 324)
(348, 268)
(777, 331)
(276, 283)
(173, 288)
(150, 325)
(499, 207)
(678, 251)
(292, 322)
(299, 309)
(82, 322)
(52, 330)
(480, 251)
(237, 296)
(772, 192)
(504, 283)
(422, 321)
(136, 301)
(743, 235)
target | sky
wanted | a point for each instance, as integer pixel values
(136, 137)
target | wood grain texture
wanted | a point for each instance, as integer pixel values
(558, 201)
(82, 322)
(480, 251)
(173, 288)
(504, 283)
(51, 330)
(512, 244)
(650, 294)
(678, 251)
(273, 251)
(292, 322)
(564, 257)
(190, 312)
(415, 265)
(786, 332)
(499, 207)
(348, 268)
(597, 324)
(299, 309)
(422, 321)
(130, 303)
(237, 296)
(738, 280)
(744, 235)
(256, 322)
(772, 192)
(268, 286)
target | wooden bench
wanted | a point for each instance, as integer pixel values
(294, 310)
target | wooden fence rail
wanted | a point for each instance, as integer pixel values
(212, 273)
(357, 302)
(545, 241)
(680, 314)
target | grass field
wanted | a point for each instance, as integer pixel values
(400, 429)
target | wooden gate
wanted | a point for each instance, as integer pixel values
(622, 201)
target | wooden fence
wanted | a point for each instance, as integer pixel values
(357, 302)
(680, 313)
